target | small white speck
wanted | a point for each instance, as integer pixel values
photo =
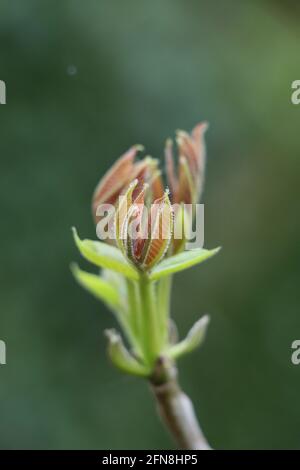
(72, 70)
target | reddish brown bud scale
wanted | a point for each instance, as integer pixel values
(186, 184)
(114, 180)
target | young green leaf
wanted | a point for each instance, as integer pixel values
(105, 256)
(181, 262)
(121, 357)
(97, 286)
(193, 340)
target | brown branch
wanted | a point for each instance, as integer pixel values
(176, 409)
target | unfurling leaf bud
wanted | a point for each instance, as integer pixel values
(193, 340)
(143, 231)
(186, 184)
(121, 174)
(142, 235)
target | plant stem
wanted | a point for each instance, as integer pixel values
(176, 409)
(133, 315)
(150, 329)
(164, 293)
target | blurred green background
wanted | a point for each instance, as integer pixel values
(85, 80)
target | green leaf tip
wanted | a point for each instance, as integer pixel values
(182, 261)
(97, 286)
(105, 256)
(122, 358)
(193, 340)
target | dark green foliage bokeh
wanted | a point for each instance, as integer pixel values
(145, 69)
